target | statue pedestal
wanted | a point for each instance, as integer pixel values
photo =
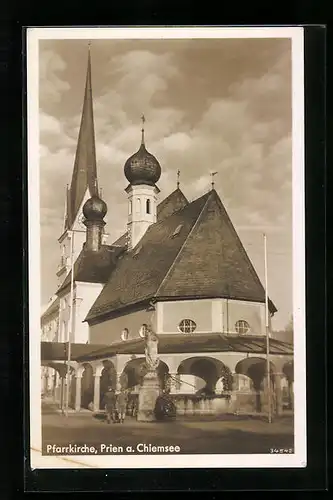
(148, 393)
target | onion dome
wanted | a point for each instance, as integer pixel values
(142, 167)
(94, 208)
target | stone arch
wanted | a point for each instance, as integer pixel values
(255, 369)
(208, 369)
(87, 385)
(49, 379)
(108, 378)
(135, 370)
(58, 382)
(288, 372)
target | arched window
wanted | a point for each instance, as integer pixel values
(130, 208)
(138, 206)
(148, 206)
(124, 334)
(242, 326)
(143, 330)
(187, 326)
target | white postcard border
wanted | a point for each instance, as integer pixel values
(298, 459)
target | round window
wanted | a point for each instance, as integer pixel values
(187, 326)
(242, 326)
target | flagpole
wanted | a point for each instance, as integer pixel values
(267, 336)
(70, 326)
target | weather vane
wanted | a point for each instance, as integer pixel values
(178, 175)
(212, 175)
(143, 119)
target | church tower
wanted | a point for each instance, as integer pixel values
(83, 185)
(142, 171)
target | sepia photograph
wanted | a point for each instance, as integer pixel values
(166, 247)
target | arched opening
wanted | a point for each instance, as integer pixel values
(136, 369)
(256, 369)
(130, 208)
(148, 206)
(138, 206)
(205, 373)
(53, 381)
(72, 388)
(87, 386)
(288, 392)
(108, 378)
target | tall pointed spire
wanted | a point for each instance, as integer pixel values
(85, 169)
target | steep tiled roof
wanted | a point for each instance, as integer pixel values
(140, 272)
(194, 343)
(213, 261)
(193, 253)
(93, 267)
(171, 204)
(121, 241)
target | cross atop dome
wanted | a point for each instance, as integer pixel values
(142, 167)
(143, 119)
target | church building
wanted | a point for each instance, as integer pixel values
(180, 269)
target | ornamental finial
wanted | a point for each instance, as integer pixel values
(143, 119)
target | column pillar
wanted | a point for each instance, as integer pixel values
(278, 393)
(97, 379)
(235, 381)
(78, 379)
(291, 393)
(233, 402)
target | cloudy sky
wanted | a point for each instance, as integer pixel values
(210, 105)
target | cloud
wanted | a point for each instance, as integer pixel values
(242, 131)
(51, 84)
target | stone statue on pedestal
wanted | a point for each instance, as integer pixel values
(150, 388)
(151, 350)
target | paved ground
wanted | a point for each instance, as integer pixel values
(228, 435)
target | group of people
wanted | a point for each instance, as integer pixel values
(115, 405)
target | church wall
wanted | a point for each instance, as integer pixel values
(110, 330)
(216, 315)
(235, 310)
(64, 315)
(66, 244)
(86, 294)
(200, 311)
(49, 327)
(65, 251)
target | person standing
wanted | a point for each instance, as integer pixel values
(122, 405)
(110, 404)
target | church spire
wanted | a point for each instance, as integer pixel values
(85, 170)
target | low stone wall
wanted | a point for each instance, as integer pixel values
(246, 402)
(209, 405)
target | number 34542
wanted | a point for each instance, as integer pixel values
(281, 450)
